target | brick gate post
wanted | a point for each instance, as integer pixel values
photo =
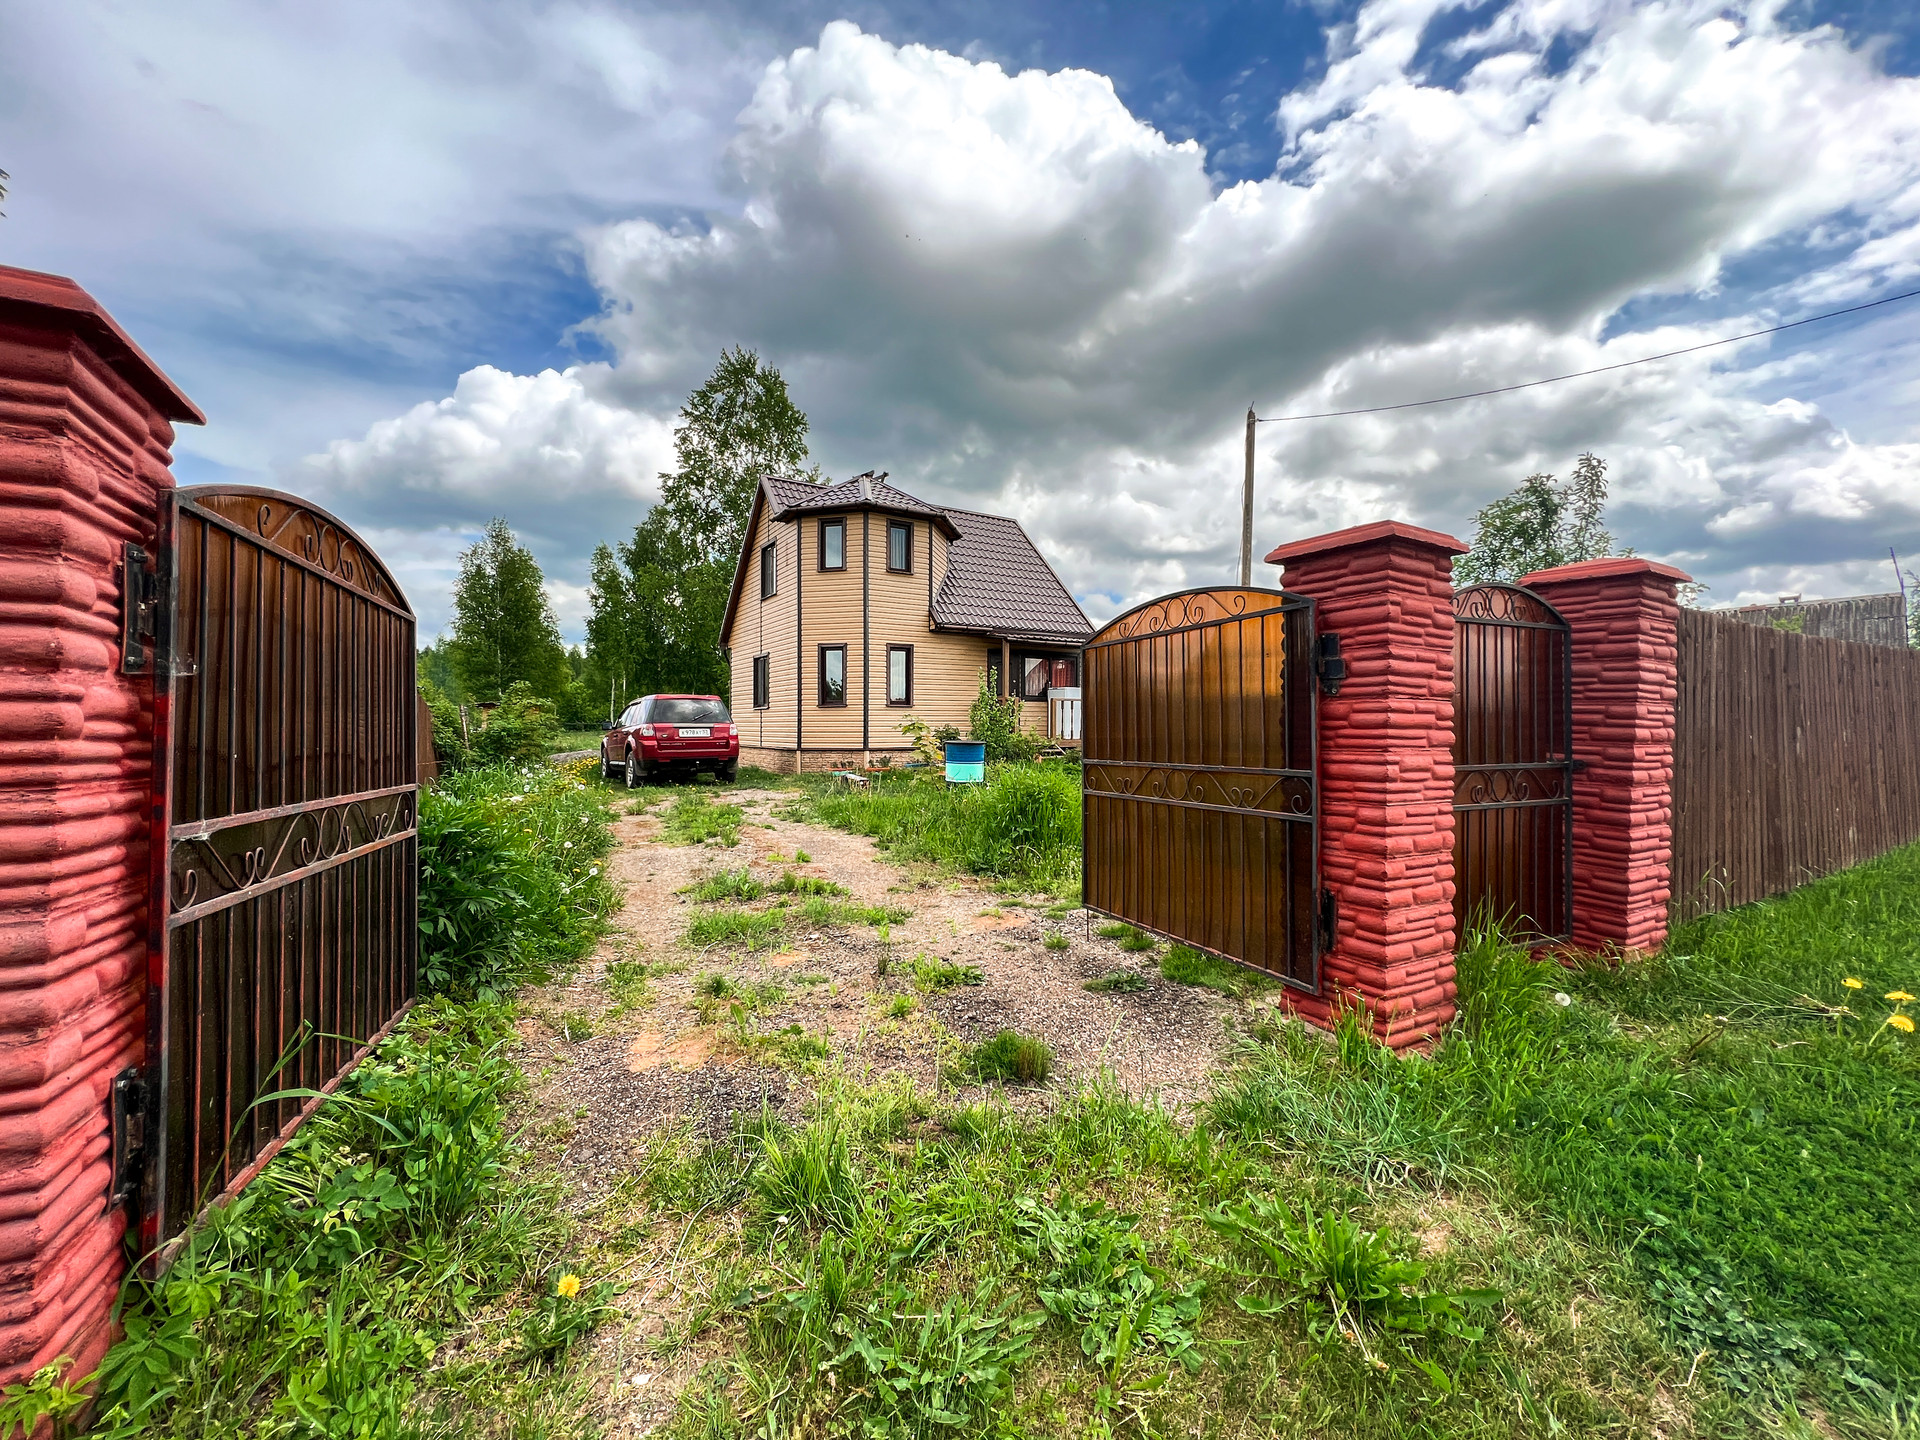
(1622, 613)
(84, 452)
(1386, 770)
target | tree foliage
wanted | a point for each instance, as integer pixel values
(503, 626)
(657, 601)
(1540, 525)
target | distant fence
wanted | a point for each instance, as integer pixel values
(1793, 757)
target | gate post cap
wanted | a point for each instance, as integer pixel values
(35, 296)
(1617, 565)
(1368, 534)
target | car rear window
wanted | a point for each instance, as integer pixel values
(689, 712)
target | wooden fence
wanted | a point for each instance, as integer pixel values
(1793, 757)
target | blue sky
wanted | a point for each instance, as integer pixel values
(433, 262)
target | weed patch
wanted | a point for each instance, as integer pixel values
(933, 974)
(1184, 965)
(741, 929)
(738, 885)
(1119, 982)
(1011, 1057)
(1128, 937)
(695, 819)
(790, 883)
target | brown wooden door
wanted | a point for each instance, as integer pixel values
(1513, 765)
(285, 926)
(1198, 736)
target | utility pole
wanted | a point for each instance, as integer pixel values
(1246, 510)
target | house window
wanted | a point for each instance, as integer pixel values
(833, 544)
(899, 674)
(900, 547)
(833, 675)
(768, 571)
(1040, 673)
(762, 682)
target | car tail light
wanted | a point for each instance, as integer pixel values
(723, 730)
(646, 729)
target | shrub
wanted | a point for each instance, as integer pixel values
(1012, 1057)
(510, 877)
(996, 724)
(519, 731)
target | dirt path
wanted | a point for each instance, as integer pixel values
(613, 1061)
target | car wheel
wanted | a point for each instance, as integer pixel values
(634, 773)
(729, 772)
(608, 770)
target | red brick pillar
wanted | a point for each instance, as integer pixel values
(1622, 615)
(84, 437)
(1386, 770)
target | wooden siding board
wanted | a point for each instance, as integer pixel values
(1794, 757)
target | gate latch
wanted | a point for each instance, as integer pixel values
(139, 611)
(1327, 663)
(129, 1136)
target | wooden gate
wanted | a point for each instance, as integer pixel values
(284, 932)
(1513, 765)
(1199, 776)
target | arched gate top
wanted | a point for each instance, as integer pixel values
(303, 530)
(1498, 602)
(1204, 605)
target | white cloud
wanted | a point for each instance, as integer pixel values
(1009, 291)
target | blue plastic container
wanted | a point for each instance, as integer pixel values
(966, 762)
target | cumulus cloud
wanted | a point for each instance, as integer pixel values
(1010, 291)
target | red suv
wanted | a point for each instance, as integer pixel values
(681, 734)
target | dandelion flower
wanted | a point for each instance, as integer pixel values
(1853, 984)
(1899, 996)
(1902, 1023)
(1561, 998)
(568, 1287)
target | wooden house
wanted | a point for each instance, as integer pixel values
(857, 605)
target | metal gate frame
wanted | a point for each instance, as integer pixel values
(1509, 785)
(291, 844)
(1302, 667)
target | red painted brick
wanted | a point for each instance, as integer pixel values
(1622, 616)
(84, 438)
(1386, 772)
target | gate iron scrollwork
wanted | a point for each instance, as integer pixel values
(1513, 763)
(1200, 810)
(284, 932)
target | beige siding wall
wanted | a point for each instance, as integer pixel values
(947, 677)
(899, 617)
(829, 615)
(766, 627)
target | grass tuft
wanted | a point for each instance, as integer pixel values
(726, 885)
(744, 929)
(695, 819)
(1011, 1057)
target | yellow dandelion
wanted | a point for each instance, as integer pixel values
(568, 1287)
(1902, 1023)
(1853, 984)
(1899, 996)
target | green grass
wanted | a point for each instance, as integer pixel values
(742, 929)
(931, 973)
(1720, 1112)
(695, 819)
(1184, 965)
(570, 740)
(1022, 827)
(1056, 941)
(1011, 1057)
(726, 885)
(822, 911)
(1120, 982)
(791, 884)
(1130, 938)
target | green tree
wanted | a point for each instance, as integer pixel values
(503, 626)
(656, 602)
(434, 666)
(1540, 525)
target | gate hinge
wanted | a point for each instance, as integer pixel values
(1327, 663)
(139, 611)
(143, 590)
(129, 1136)
(1329, 920)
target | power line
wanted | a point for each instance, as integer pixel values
(1581, 374)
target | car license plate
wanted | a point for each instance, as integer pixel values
(699, 732)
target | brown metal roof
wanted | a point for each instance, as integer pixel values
(998, 583)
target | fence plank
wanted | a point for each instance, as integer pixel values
(1794, 756)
